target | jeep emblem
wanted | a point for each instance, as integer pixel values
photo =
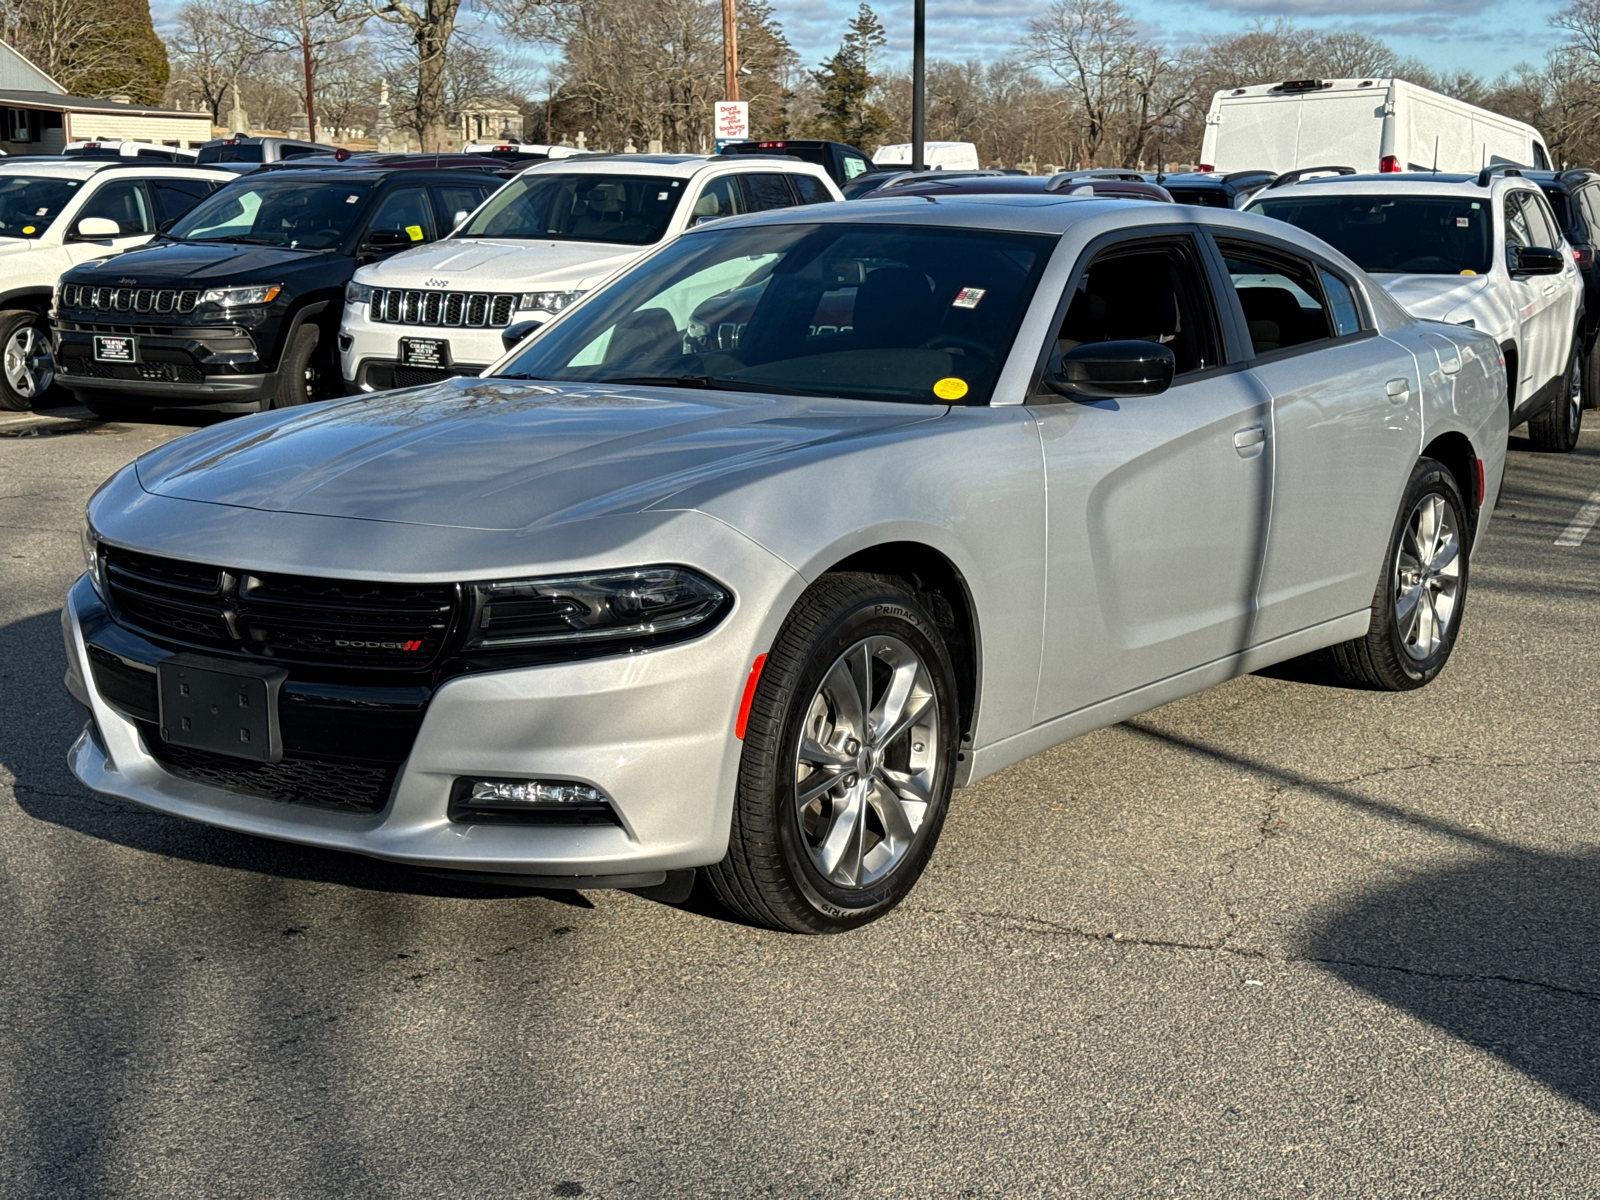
(436, 283)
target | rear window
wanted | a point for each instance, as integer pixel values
(227, 154)
(810, 154)
(1201, 196)
(1411, 235)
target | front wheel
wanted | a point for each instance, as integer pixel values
(1416, 610)
(303, 374)
(1555, 428)
(849, 759)
(29, 366)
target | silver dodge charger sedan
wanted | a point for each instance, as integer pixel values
(746, 561)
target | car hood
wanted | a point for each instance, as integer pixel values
(501, 264)
(1435, 297)
(499, 454)
(199, 264)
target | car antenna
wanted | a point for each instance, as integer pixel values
(1436, 154)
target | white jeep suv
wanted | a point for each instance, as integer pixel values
(533, 248)
(1481, 250)
(57, 214)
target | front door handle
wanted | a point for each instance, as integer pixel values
(1551, 290)
(1398, 390)
(1248, 442)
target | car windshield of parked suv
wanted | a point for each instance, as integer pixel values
(1412, 235)
(253, 152)
(28, 203)
(866, 311)
(630, 210)
(288, 211)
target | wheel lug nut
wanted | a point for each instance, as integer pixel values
(852, 746)
(849, 781)
(917, 747)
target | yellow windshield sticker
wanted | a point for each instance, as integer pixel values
(415, 231)
(27, 229)
(950, 389)
(1469, 272)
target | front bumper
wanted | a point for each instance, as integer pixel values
(180, 366)
(653, 730)
(369, 351)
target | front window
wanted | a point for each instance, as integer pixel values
(29, 204)
(871, 312)
(1412, 235)
(629, 210)
(277, 212)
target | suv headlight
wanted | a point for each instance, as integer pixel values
(640, 603)
(90, 541)
(241, 297)
(550, 302)
(357, 293)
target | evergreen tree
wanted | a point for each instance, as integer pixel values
(846, 83)
(769, 59)
(140, 70)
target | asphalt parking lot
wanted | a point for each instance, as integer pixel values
(1279, 939)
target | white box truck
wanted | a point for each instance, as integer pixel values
(1373, 125)
(938, 156)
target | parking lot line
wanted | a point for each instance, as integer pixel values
(1574, 534)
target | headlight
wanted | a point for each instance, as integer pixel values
(550, 302)
(640, 603)
(357, 293)
(239, 297)
(90, 541)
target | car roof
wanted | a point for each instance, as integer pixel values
(675, 166)
(344, 173)
(1413, 183)
(54, 167)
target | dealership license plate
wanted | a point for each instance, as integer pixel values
(424, 352)
(115, 349)
(223, 707)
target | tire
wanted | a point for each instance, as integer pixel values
(27, 366)
(1397, 654)
(856, 849)
(1555, 428)
(1591, 376)
(303, 373)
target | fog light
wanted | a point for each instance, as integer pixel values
(542, 801)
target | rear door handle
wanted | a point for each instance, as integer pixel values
(1248, 441)
(1398, 390)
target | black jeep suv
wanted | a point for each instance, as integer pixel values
(1575, 196)
(237, 307)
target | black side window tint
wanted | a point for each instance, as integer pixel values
(1280, 295)
(124, 203)
(174, 197)
(810, 189)
(763, 192)
(1150, 292)
(291, 152)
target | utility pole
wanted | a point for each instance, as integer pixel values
(919, 84)
(730, 50)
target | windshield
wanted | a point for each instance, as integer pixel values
(28, 204)
(871, 312)
(1413, 235)
(629, 210)
(218, 154)
(287, 211)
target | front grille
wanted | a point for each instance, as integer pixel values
(85, 366)
(326, 783)
(396, 626)
(382, 376)
(129, 299)
(484, 310)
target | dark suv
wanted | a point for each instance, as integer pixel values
(839, 160)
(1209, 190)
(1575, 196)
(237, 308)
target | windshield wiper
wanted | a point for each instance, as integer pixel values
(714, 384)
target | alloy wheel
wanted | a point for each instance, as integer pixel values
(1575, 397)
(865, 767)
(1427, 576)
(29, 365)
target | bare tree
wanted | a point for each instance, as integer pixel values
(308, 30)
(69, 40)
(208, 55)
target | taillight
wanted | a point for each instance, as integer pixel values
(1207, 168)
(1389, 165)
(1583, 256)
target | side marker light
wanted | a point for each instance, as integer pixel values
(749, 696)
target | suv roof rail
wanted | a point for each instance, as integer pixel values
(1236, 176)
(1291, 177)
(1062, 178)
(1507, 169)
(1578, 173)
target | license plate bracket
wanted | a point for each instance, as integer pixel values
(425, 352)
(221, 706)
(116, 349)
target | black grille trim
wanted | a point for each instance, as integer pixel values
(321, 782)
(127, 299)
(288, 618)
(447, 309)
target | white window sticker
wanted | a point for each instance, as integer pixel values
(352, 199)
(969, 297)
(661, 195)
(1463, 222)
(42, 212)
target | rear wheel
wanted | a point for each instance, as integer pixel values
(1591, 375)
(1555, 428)
(1416, 610)
(29, 367)
(848, 762)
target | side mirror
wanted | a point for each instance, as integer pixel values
(96, 228)
(512, 334)
(1102, 370)
(1535, 260)
(458, 218)
(385, 240)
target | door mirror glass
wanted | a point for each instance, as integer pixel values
(98, 227)
(1105, 370)
(1535, 260)
(384, 240)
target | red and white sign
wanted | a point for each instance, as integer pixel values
(732, 120)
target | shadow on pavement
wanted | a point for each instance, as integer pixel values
(1502, 952)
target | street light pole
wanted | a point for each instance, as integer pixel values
(730, 51)
(919, 84)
